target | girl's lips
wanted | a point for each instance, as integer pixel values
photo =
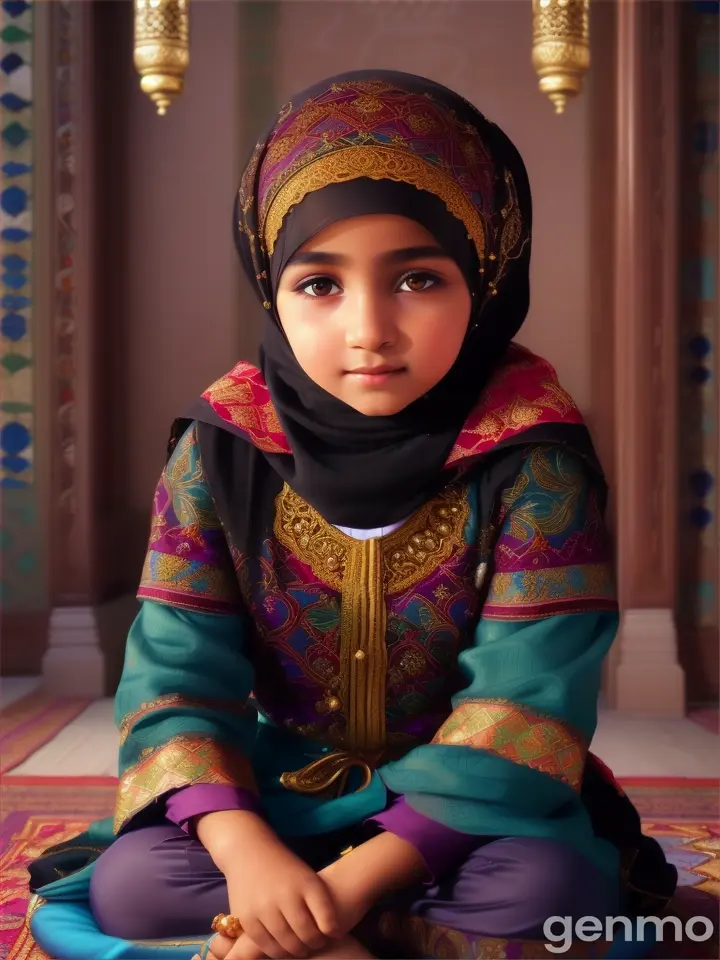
(374, 376)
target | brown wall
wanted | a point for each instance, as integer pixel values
(172, 279)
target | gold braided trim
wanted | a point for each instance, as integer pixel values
(171, 701)
(519, 734)
(183, 761)
(375, 163)
(363, 647)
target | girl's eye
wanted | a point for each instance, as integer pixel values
(418, 283)
(319, 287)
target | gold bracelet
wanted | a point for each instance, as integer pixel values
(227, 925)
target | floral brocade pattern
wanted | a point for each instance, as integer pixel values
(518, 734)
(371, 128)
(295, 598)
(188, 563)
(181, 762)
(552, 555)
(524, 392)
(543, 553)
(243, 399)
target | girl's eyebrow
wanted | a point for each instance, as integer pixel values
(402, 255)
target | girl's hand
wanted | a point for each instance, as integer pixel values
(220, 949)
(351, 904)
(283, 906)
(285, 909)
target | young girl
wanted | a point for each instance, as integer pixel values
(359, 694)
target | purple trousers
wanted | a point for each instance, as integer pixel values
(157, 882)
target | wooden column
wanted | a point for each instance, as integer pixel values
(73, 663)
(647, 677)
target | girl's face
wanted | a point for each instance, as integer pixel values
(375, 311)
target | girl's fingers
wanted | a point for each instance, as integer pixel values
(246, 949)
(259, 934)
(217, 948)
(278, 925)
(300, 918)
(322, 907)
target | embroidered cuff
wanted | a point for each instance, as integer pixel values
(202, 798)
(441, 847)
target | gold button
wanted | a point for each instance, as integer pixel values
(333, 704)
(360, 655)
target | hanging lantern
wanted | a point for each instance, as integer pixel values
(162, 48)
(561, 47)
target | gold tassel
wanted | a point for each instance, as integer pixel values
(561, 47)
(162, 48)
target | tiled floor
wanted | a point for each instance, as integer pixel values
(631, 746)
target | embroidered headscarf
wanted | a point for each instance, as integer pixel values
(384, 142)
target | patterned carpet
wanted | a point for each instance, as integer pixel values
(31, 722)
(37, 812)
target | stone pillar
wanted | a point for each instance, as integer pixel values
(647, 678)
(73, 664)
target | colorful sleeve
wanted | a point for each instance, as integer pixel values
(188, 562)
(509, 759)
(182, 701)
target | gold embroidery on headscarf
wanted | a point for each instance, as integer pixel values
(376, 163)
(510, 232)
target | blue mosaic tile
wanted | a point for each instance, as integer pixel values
(11, 62)
(705, 137)
(13, 103)
(13, 169)
(14, 301)
(700, 347)
(16, 281)
(700, 375)
(13, 201)
(14, 438)
(15, 134)
(15, 234)
(15, 7)
(12, 483)
(700, 517)
(15, 464)
(701, 482)
(14, 262)
(13, 326)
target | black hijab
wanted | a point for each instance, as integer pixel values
(384, 142)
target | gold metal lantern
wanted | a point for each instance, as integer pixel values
(561, 47)
(162, 48)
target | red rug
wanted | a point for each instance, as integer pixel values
(31, 722)
(37, 812)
